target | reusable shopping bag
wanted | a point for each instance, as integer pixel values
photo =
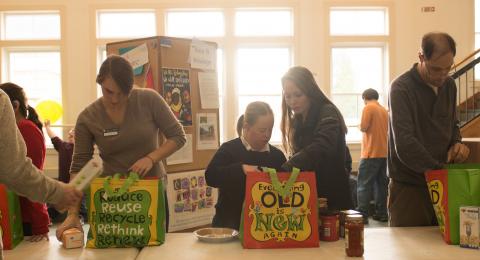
(280, 210)
(126, 212)
(457, 185)
(10, 218)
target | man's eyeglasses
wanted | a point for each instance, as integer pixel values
(438, 71)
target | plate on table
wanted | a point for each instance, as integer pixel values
(215, 235)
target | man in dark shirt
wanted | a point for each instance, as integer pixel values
(423, 130)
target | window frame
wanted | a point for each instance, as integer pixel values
(38, 45)
(353, 41)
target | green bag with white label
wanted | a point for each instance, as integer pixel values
(126, 212)
(456, 185)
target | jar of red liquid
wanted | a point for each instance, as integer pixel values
(328, 228)
(354, 235)
(343, 217)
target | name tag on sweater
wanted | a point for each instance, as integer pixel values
(111, 132)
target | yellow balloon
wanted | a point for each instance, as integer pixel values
(49, 110)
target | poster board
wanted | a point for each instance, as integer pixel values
(170, 57)
(191, 203)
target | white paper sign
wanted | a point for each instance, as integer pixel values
(207, 131)
(191, 203)
(208, 86)
(202, 55)
(184, 154)
(137, 56)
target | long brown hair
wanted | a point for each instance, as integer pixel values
(304, 80)
(17, 94)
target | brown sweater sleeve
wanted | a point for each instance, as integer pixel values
(17, 171)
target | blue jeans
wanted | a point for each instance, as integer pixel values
(372, 176)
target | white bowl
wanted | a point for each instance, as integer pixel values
(215, 235)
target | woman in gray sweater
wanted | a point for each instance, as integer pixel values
(124, 124)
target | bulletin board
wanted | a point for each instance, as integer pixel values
(169, 69)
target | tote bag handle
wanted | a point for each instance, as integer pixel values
(284, 191)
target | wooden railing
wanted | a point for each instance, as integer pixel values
(471, 55)
(468, 94)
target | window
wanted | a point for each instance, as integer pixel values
(117, 25)
(125, 24)
(38, 72)
(254, 55)
(31, 25)
(36, 65)
(355, 69)
(195, 23)
(221, 94)
(358, 60)
(264, 23)
(358, 21)
(259, 71)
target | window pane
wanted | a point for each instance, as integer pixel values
(32, 26)
(353, 71)
(356, 69)
(259, 70)
(358, 21)
(195, 24)
(354, 134)
(275, 103)
(220, 94)
(39, 73)
(101, 56)
(264, 23)
(351, 106)
(126, 24)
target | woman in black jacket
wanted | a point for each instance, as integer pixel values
(226, 171)
(314, 135)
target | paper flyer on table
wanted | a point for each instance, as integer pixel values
(207, 131)
(184, 154)
(208, 85)
(202, 55)
(137, 56)
(191, 203)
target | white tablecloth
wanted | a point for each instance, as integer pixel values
(380, 243)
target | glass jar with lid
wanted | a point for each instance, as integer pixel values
(354, 235)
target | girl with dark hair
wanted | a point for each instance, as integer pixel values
(226, 171)
(34, 215)
(314, 135)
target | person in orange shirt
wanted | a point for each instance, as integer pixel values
(372, 171)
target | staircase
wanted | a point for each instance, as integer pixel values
(468, 104)
(468, 93)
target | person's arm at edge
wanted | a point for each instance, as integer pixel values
(17, 171)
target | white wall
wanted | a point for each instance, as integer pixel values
(408, 26)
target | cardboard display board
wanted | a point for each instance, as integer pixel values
(165, 64)
(191, 202)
